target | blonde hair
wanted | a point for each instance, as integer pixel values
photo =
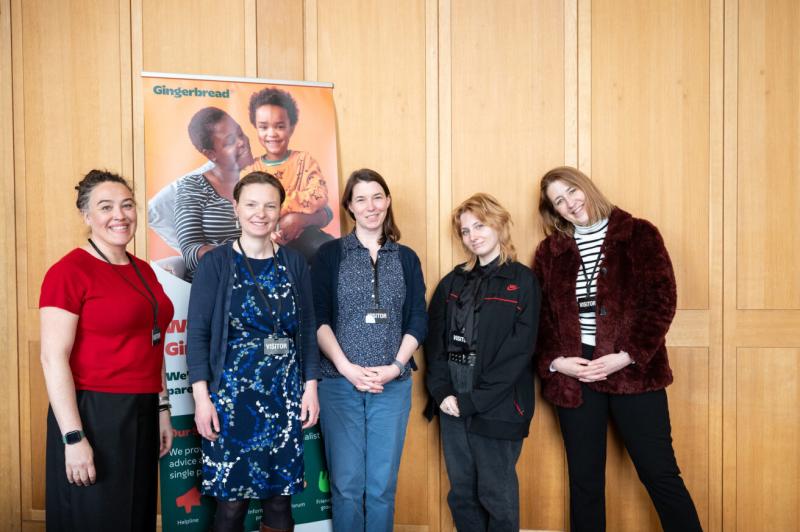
(597, 206)
(489, 211)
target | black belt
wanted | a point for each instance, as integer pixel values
(466, 359)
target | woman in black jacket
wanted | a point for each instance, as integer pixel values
(482, 328)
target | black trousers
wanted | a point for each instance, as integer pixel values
(123, 432)
(484, 491)
(643, 422)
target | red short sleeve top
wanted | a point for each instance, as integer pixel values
(113, 351)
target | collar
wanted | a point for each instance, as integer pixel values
(505, 270)
(620, 228)
(351, 241)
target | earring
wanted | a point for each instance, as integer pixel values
(237, 223)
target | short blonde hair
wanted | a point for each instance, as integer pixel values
(489, 211)
(597, 206)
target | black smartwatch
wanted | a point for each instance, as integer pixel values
(72, 437)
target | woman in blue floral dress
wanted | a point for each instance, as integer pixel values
(253, 364)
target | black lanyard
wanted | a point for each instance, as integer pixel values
(151, 299)
(591, 277)
(376, 294)
(277, 324)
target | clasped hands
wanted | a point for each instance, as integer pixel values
(592, 370)
(369, 379)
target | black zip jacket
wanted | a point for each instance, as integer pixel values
(501, 402)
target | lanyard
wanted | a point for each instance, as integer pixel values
(376, 295)
(589, 278)
(276, 326)
(152, 297)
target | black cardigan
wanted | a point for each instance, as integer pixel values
(501, 402)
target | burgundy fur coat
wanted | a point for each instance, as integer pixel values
(635, 306)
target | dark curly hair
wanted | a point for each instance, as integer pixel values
(91, 180)
(201, 127)
(274, 97)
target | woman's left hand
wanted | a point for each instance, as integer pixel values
(165, 432)
(600, 368)
(385, 373)
(309, 407)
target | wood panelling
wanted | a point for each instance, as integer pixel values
(768, 464)
(685, 113)
(768, 239)
(650, 83)
(10, 504)
(194, 36)
(279, 34)
(379, 67)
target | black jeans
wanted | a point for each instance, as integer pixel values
(484, 492)
(643, 423)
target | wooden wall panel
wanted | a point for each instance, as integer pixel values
(10, 504)
(375, 54)
(768, 464)
(768, 253)
(650, 124)
(71, 114)
(194, 36)
(507, 127)
(279, 34)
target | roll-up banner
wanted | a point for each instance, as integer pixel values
(201, 133)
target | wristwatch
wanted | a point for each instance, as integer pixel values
(72, 437)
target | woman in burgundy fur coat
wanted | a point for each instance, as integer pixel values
(608, 298)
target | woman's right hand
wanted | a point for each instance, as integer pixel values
(79, 461)
(206, 419)
(363, 379)
(450, 406)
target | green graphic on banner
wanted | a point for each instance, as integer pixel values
(185, 510)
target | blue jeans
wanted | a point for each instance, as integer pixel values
(364, 436)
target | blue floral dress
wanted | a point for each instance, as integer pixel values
(259, 452)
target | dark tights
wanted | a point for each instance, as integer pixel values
(277, 514)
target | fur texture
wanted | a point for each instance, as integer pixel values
(636, 299)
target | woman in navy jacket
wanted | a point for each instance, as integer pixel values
(608, 300)
(483, 322)
(253, 364)
(369, 298)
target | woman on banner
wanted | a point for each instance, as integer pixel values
(608, 301)
(369, 296)
(204, 216)
(274, 114)
(483, 320)
(253, 363)
(103, 317)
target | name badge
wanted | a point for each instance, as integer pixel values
(586, 305)
(155, 335)
(458, 339)
(276, 346)
(377, 315)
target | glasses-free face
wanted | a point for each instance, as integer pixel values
(231, 147)
(274, 131)
(369, 205)
(479, 238)
(258, 209)
(111, 214)
(569, 202)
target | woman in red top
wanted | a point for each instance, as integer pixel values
(103, 316)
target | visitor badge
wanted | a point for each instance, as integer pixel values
(377, 315)
(458, 339)
(155, 335)
(276, 346)
(586, 305)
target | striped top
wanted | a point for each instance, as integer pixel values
(590, 241)
(201, 217)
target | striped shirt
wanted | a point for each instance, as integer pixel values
(201, 217)
(590, 241)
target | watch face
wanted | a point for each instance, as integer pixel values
(73, 437)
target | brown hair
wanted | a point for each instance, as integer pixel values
(489, 211)
(390, 230)
(91, 180)
(258, 178)
(597, 206)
